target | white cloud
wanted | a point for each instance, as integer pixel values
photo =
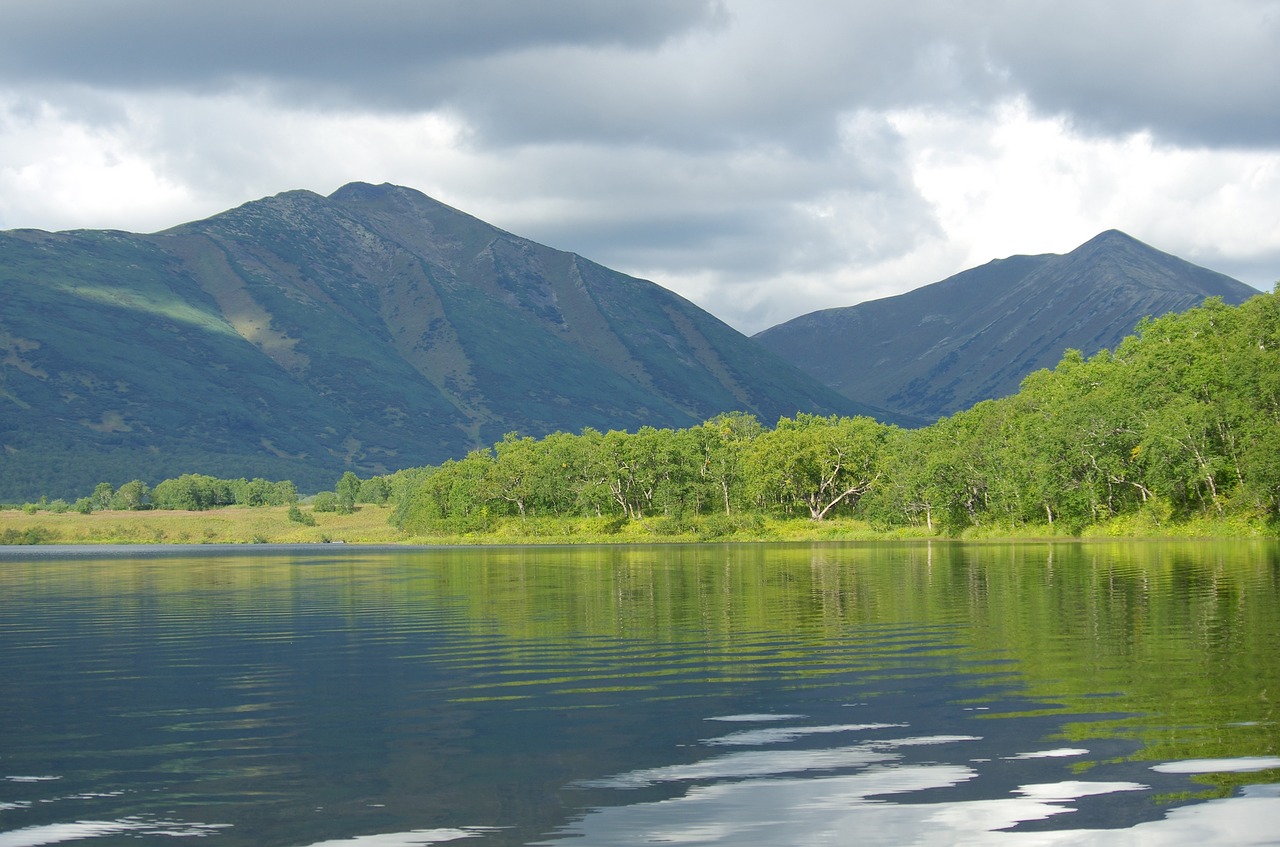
(65, 173)
(762, 160)
(1013, 182)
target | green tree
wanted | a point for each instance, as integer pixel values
(722, 445)
(347, 492)
(375, 490)
(193, 492)
(101, 497)
(564, 481)
(818, 463)
(133, 496)
(644, 472)
(450, 498)
(283, 493)
(513, 474)
(254, 492)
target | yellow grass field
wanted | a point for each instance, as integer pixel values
(233, 525)
(370, 525)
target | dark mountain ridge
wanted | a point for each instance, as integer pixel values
(974, 336)
(299, 336)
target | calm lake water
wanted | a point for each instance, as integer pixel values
(926, 693)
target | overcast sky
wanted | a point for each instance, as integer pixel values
(764, 159)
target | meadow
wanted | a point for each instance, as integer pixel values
(370, 524)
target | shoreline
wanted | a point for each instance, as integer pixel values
(369, 526)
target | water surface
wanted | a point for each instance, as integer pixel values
(930, 693)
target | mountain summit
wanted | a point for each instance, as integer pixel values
(299, 336)
(974, 336)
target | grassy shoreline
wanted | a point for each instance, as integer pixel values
(370, 525)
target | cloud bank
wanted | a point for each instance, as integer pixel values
(763, 160)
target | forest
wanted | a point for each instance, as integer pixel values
(1179, 423)
(1181, 420)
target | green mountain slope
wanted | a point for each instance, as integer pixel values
(974, 336)
(299, 336)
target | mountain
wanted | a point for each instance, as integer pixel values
(299, 336)
(974, 336)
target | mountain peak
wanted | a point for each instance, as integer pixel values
(298, 336)
(974, 336)
(369, 191)
(1112, 236)
(1115, 241)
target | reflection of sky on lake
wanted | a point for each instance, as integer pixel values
(803, 797)
(417, 838)
(770, 735)
(134, 828)
(871, 806)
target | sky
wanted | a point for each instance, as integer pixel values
(762, 159)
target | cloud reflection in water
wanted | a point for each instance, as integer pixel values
(748, 802)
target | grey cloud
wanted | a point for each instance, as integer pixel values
(717, 73)
(773, 73)
(749, 213)
(1197, 72)
(1191, 72)
(359, 46)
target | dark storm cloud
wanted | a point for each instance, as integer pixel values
(387, 51)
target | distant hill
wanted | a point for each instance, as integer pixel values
(299, 336)
(974, 336)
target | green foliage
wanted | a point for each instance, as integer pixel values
(1180, 425)
(298, 516)
(817, 464)
(197, 492)
(347, 492)
(193, 492)
(101, 496)
(132, 496)
(31, 535)
(1181, 421)
(375, 490)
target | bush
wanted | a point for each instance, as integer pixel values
(716, 526)
(298, 516)
(31, 535)
(325, 501)
(666, 525)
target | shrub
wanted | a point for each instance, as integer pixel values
(298, 516)
(325, 501)
(31, 535)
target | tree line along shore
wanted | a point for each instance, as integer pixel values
(1176, 430)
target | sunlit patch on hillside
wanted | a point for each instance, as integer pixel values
(111, 422)
(174, 310)
(270, 447)
(14, 347)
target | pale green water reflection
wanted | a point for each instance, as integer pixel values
(736, 694)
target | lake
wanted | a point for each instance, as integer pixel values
(750, 694)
